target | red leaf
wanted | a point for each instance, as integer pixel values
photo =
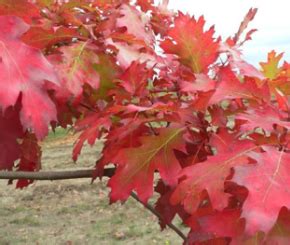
(108, 71)
(267, 182)
(157, 107)
(277, 79)
(162, 18)
(30, 158)
(220, 140)
(210, 176)
(264, 117)
(10, 131)
(282, 100)
(75, 67)
(21, 8)
(42, 38)
(230, 87)
(248, 18)
(194, 47)
(270, 68)
(135, 79)
(236, 61)
(129, 53)
(127, 38)
(25, 77)
(163, 206)
(201, 83)
(125, 136)
(141, 22)
(91, 130)
(146, 5)
(280, 233)
(108, 4)
(136, 166)
(226, 223)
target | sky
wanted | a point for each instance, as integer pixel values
(272, 22)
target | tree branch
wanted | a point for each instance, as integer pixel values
(54, 175)
(158, 215)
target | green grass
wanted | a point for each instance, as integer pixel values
(74, 211)
(57, 133)
(27, 220)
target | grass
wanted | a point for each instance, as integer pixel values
(74, 211)
(27, 220)
(57, 133)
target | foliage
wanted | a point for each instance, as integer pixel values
(181, 112)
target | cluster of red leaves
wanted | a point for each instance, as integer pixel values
(181, 112)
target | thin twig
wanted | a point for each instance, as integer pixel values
(158, 215)
(88, 107)
(150, 125)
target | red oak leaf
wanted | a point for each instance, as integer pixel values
(136, 166)
(21, 8)
(202, 101)
(280, 233)
(30, 159)
(163, 206)
(135, 79)
(270, 68)
(157, 107)
(258, 238)
(10, 131)
(210, 175)
(42, 38)
(236, 61)
(277, 79)
(44, 3)
(282, 99)
(248, 18)
(126, 38)
(201, 83)
(146, 5)
(230, 87)
(267, 182)
(194, 47)
(141, 23)
(75, 67)
(226, 223)
(125, 136)
(220, 139)
(265, 117)
(91, 130)
(108, 71)
(108, 4)
(129, 53)
(218, 116)
(162, 18)
(20, 75)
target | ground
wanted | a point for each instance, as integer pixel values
(74, 211)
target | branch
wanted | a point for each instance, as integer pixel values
(54, 175)
(158, 215)
(77, 174)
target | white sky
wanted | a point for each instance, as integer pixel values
(272, 22)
